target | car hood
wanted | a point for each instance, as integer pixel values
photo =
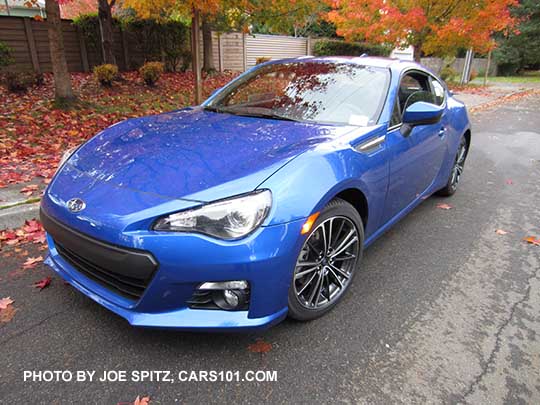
(196, 154)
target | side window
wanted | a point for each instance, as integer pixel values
(414, 87)
(438, 91)
(396, 115)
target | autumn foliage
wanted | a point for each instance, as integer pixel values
(431, 26)
(34, 135)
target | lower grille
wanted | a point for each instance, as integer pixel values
(124, 271)
(128, 287)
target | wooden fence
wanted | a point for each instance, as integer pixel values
(231, 51)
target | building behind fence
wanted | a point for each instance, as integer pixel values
(231, 51)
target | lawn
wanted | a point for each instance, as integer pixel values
(508, 79)
(33, 135)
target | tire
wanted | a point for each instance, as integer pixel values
(326, 278)
(457, 170)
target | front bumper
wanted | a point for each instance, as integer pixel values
(265, 259)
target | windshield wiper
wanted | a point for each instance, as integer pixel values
(213, 109)
(250, 113)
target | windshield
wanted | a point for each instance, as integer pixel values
(342, 93)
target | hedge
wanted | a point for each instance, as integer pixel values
(329, 47)
(155, 40)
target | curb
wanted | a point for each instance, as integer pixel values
(15, 216)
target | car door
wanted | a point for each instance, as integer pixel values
(415, 158)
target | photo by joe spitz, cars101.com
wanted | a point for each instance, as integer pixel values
(257, 204)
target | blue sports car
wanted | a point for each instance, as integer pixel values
(259, 203)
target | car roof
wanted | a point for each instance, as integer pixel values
(375, 61)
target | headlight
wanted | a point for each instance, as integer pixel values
(228, 219)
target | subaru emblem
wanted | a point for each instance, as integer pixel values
(76, 205)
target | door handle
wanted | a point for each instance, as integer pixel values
(442, 132)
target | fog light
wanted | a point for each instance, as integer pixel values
(226, 295)
(231, 298)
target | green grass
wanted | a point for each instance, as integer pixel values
(509, 79)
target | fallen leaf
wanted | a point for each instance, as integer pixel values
(444, 206)
(4, 302)
(141, 401)
(260, 346)
(510, 182)
(31, 262)
(532, 240)
(44, 282)
(7, 314)
(500, 232)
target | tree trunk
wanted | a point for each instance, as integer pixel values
(208, 58)
(106, 29)
(195, 56)
(62, 81)
(417, 52)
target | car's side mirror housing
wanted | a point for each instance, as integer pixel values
(420, 113)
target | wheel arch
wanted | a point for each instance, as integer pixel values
(467, 136)
(358, 200)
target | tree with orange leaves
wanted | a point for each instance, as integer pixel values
(431, 26)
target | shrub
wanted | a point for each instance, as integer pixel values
(18, 82)
(262, 59)
(88, 25)
(105, 74)
(5, 55)
(448, 73)
(153, 39)
(150, 72)
(341, 48)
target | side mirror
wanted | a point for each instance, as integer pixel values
(422, 113)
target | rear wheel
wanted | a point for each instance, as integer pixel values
(327, 262)
(457, 170)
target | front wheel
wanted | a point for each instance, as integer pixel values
(457, 170)
(327, 262)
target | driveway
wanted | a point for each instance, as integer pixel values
(445, 310)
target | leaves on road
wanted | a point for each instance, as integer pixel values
(31, 262)
(41, 284)
(509, 182)
(260, 346)
(138, 401)
(4, 302)
(31, 231)
(28, 190)
(141, 400)
(7, 311)
(533, 240)
(444, 206)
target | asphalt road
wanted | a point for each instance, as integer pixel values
(445, 310)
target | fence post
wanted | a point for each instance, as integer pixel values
(308, 45)
(125, 48)
(244, 53)
(84, 52)
(220, 52)
(31, 45)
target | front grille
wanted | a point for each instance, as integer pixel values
(124, 271)
(128, 287)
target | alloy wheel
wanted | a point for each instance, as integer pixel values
(326, 263)
(459, 165)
